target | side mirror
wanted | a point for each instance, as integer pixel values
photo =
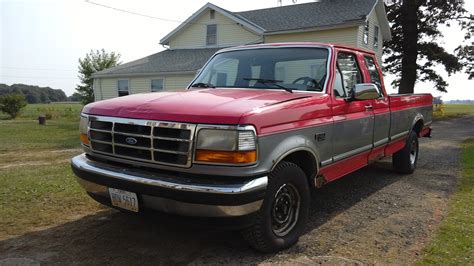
(365, 91)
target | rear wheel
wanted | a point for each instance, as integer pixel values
(404, 161)
(282, 218)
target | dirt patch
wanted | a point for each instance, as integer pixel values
(5, 166)
(36, 158)
(373, 216)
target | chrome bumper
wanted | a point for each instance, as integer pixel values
(85, 168)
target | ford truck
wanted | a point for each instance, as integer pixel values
(258, 128)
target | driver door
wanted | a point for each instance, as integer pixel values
(353, 120)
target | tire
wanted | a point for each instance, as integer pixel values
(404, 161)
(284, 212)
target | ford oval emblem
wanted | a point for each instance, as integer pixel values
(131, 140)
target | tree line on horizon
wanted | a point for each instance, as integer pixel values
(37, 94)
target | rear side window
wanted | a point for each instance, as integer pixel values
(349, 69)
(373, 71)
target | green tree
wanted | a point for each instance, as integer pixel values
(414, 50)
(75, 97)
(93, 62)
(12, 104)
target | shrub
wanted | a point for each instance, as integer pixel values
(12, 104)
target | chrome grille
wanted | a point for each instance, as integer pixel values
(167, 143)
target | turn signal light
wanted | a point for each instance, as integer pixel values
(234, 157)
(85, 139)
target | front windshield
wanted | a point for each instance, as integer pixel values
(302, 69)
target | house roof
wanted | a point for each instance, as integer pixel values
(165, 62)
(310, 15)
(319, 15)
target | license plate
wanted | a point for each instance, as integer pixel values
(124, 199)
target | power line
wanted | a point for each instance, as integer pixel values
(42, 69)
(148, 16)
(32, 77)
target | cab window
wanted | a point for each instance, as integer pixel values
(374, 72)
(349, 71)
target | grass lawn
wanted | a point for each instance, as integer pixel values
(453, 110)
(37, 187)
(454, 241)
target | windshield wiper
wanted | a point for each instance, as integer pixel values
(271, 81)
(203, 85)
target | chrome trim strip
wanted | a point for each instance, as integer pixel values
(173, 139)
(352, 152)
(326, 162)
(172, 152)
(129, 134)
(380, 142)
(399, 135)
(81, 162)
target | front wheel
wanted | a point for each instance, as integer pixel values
(282, 218)
(404, 161)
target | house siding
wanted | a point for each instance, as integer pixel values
(373, 21)
(345, 36)
(106, 88)
(228, 33)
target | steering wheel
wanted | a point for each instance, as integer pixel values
(309, 82)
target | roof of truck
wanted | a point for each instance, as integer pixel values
(297, 44)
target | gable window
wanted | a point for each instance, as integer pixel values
(212, 14)
(122, 87)
(156, 85)
(376, 37)
(211, 35)
(366, 33)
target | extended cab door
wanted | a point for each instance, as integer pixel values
(381, 107)
(353, 120)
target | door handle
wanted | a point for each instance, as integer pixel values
(369, 108)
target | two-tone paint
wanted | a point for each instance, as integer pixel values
(327, 136)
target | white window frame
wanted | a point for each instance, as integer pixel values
(207, 35)
(162, 81)
(128, 87)
(376, 37)
(365, 35)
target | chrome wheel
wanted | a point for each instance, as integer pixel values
(285, 209)
(413, 152)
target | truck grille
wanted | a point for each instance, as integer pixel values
(167, 143)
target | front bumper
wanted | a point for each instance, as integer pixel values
(167, 193)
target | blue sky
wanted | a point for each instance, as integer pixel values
(41, 41)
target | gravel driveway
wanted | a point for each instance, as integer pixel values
(373, 216)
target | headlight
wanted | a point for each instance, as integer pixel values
(83, 125)
(225, 146)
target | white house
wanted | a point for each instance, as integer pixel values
(358, 23)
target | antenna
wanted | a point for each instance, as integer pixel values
(279, 3)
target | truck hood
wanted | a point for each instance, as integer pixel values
(210, 106)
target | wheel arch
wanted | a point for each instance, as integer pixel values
(418, 123)
(303, 157)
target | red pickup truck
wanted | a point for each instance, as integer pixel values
(256, 130)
